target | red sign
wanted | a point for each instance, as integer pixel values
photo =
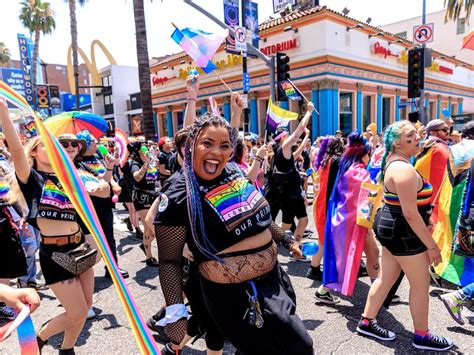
(157, 80)
(280, 47)
(378, 48)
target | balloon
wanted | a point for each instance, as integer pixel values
(309, 248)
(103, 150)
(114, 198)
(144, 149)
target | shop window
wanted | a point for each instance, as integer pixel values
(461, 26)
(402, 34)
(386, 111)
(345, 112)
(366, 111)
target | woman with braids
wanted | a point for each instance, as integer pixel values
(52, 213)
(401, 226)
(344, 240)
(229, 231)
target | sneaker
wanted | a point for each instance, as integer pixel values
(454, 306)
(362, 271)
(124, 273)
(90, 314)
(314, 273)
(6, 313)
(128, 223)
(151, 262)
(299, 258)
(327, 297)
(432, 342)
(38, 286)
(168, 350)
(372, 329)
(138, 234)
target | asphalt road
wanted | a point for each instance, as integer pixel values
(331, 327)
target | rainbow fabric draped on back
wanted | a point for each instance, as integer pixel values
(344, 238)
(457, 266)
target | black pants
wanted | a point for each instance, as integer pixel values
(106, 218)
(283, 331)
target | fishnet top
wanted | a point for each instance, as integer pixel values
(171, 240)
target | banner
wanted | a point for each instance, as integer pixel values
(25, 61)
(250, 21)
(289, 91)
(42, 93)
(279, 5)
(231, 18)
(54, 98)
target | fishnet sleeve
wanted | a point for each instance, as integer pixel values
(171, 240)
(280, 236)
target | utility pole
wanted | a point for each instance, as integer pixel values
(269, 61)
(421, 104)
(45, 71)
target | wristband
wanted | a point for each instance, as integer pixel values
(288, 241)
(173, 313)
(110, 169)
(191, 99)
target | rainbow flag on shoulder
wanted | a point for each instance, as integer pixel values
(277, 116)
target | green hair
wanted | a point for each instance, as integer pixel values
(392, 134)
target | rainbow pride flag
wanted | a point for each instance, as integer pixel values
(455, 198)
(199, 45)
(344, 239)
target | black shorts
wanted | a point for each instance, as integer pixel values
(394, 233)
(53, 272)
(142, 200)
(292, 207)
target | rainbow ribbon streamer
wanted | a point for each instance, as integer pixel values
(25, 330)
(15, 98)
(74, 188)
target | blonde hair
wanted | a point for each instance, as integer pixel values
(30, 147)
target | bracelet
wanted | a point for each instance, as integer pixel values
(191, 99)
(288, 241)
(110, 169)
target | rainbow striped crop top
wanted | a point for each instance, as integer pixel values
(423, 196)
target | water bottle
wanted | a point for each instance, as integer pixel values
(309, 248)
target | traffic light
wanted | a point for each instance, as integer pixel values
(282, 72)
(416, 72)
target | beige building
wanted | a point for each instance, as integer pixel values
(447, 38)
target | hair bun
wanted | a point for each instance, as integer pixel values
(356, 138)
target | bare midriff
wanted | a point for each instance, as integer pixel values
(53, 228)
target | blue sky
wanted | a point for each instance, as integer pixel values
(111, 21)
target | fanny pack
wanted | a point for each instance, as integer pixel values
(76, 261)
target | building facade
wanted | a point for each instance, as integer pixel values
(447, 37)
(354, 73)
(111, 101)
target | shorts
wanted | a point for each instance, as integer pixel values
(142, 200)
(394, 233)
(292, 207)
(53, 272)
(126, 194)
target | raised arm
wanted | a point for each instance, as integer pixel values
(300, 149)
(236, 108)
(192, 87)
(257, 163)
(298, 132)
(22, 168)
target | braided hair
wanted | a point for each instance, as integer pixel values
(195, 212)
(392, 134)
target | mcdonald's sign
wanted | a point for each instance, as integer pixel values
(91, 64)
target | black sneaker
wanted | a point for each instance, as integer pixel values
(168, 350)
(314, 273)
(327, 298)
(432, 342)
(138, 234)
(372, 329)
(151, 262)
(128, 223)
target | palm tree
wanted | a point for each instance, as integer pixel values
(38, 17)
(143, 68)
(454, 9)
(75, 61)
(4, 54)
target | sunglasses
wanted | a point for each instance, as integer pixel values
(72, 144)
(445, 130)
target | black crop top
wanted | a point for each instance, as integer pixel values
(46, 198)
(233, 209)
(148, 181)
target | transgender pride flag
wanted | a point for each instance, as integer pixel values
(199, 45)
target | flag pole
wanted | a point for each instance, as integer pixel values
(300, 93)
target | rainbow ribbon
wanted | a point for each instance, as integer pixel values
(15, 98)
(74, 188)
(25, 330)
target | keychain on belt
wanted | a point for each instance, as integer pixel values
(253, 313)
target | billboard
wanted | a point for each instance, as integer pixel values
(42, 93)
(25, 61)
(14, 78)
(231, 18)
(54, 97)
(279, 5)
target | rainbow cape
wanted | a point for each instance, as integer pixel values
(431, 164)
(344, 239)
(74, 188)
(455, 198)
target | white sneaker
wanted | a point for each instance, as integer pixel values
(90, 313)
